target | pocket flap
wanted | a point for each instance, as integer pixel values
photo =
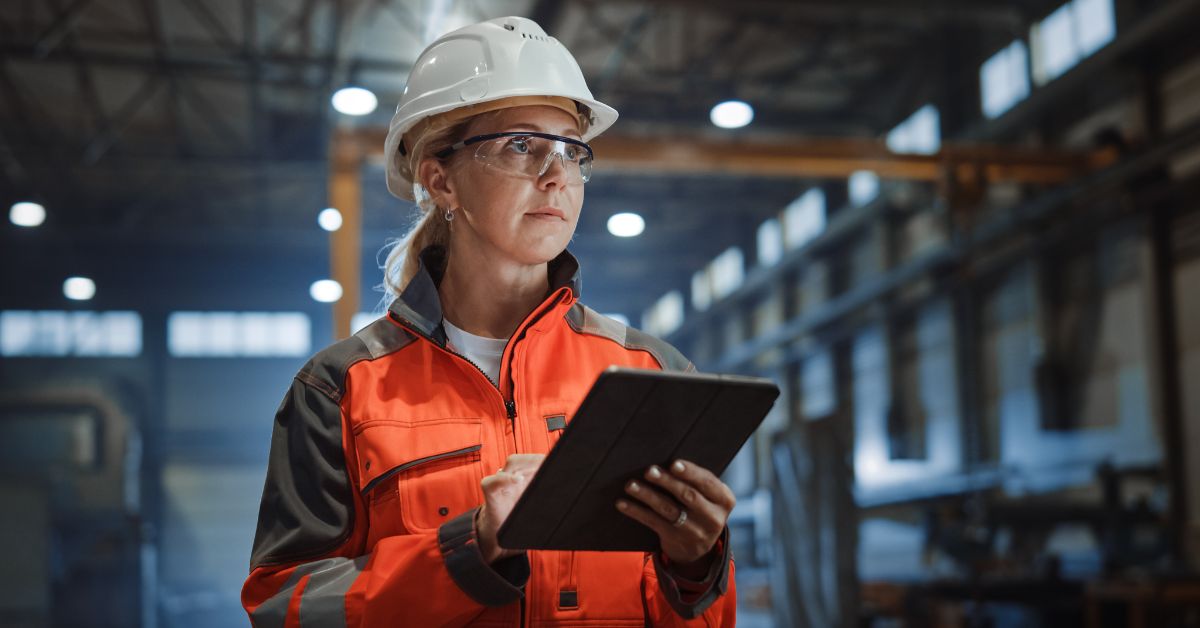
(387, 448)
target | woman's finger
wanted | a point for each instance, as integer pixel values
(706, 482)
(504, 483)
(644, 515)
(658, 501)
(686, 542)
(682, 491)
(522, 463)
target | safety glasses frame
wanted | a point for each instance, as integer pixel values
(477, 139)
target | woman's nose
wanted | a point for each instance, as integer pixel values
(548, 173)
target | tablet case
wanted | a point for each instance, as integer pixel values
(631, 419)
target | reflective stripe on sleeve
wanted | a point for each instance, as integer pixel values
(323, 601)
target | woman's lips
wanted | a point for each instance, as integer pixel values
(548, 213)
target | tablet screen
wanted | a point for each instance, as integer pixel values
(629, 420)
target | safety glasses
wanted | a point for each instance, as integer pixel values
(529, 154)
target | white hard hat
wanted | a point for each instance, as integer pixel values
(482, 63)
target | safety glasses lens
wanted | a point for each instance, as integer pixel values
(533, 156)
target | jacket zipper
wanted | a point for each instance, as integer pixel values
(510, 406)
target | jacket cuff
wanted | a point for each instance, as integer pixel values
(699, 594)
(498, 584)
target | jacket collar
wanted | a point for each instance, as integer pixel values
(420, 305)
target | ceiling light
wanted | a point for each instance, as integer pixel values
(326, 291)
(732, 114)
(26, 214)
(330, 219)
(354, 101)
(79, 288)
(626, 225)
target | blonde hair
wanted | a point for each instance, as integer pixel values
(403, 254)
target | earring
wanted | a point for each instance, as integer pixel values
(449, 215)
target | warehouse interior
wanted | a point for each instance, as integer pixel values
(962, 236)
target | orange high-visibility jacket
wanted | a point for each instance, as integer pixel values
(378, 449)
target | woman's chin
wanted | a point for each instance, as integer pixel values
(541, 251)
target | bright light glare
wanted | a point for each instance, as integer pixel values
(626, 225)
(330, 219)
(326, 291)
(26, 214)
(864, 187)
(620, 318)
(732, 114)
(79, 288)
(354, 101)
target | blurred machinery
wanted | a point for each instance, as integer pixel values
(73, 536)
(1028, 558)
(984, 425)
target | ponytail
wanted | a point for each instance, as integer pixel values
(403, 258)
(404, 254)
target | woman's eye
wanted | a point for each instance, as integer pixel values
(573, 152)
(519, 145)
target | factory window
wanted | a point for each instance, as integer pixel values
(770, 243)
(804, 218)
(56, 333)
(728, 270)
(720, 278)
(1004, 79)
(665, 316)
(864, 187)
(1053, 46)
(921, 133)
(768, 314)
(1068, 35)
(238, 334)
(906, 419)
(817, 398)
(702, 289)
(1095, 25)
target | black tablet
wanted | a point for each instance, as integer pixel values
(631, 419)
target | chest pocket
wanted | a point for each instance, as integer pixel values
(423, 473)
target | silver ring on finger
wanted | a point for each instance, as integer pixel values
(681, 519)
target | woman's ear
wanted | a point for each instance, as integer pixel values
(435, 178)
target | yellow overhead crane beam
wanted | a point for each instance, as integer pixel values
(838, 158)
(346, 155)
(957, 168)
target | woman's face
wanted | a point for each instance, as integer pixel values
(508, 217)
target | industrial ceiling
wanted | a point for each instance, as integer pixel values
(196, 123)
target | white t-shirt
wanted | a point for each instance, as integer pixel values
(484, 352)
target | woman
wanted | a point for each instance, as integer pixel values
(398, 453)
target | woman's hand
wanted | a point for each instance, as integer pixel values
(500, 493)
(687, 507)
